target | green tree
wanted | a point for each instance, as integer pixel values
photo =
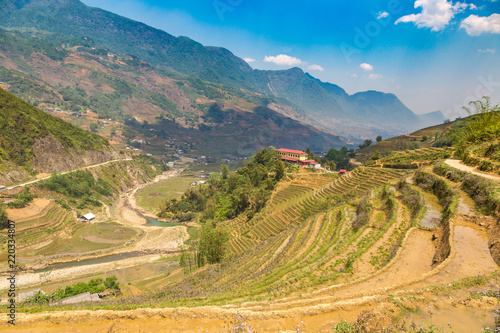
(366, 143)
(279, 169)
(212, 244)
(4, 221)
(224, 170)
(310, 155)
(379, 138)
(376, 156)
(93, 127)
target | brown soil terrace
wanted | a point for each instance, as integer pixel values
(407, 275)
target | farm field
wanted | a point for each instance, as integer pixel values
(152, 196)
(301, 262)
(382, 242)
(45, 229)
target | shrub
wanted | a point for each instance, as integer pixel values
(411, 198)
(363, 213)
(484, 192)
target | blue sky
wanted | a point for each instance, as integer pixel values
(433, 54)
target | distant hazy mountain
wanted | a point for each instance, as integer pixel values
(74, 74)
(325, 105)
(435, 117)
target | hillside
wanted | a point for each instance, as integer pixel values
(367, 114)
(125, 36)
(423, 138)
(31, 141)
(82, 76)
(320, 104)
(375, 248)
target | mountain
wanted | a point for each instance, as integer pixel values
(76, 75)
(33, 141)
(368, 112)
(435, 117)
(320, 104)
(125, 36)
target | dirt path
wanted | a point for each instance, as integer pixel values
(457, 164)
(410, 271)
(46, 176)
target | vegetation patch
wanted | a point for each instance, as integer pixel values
(93, 286)
(484, 192)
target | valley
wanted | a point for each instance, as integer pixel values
(310, 282)
(151, 183)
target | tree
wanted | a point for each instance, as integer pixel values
(93, 127)
(224, 170)
(212, 244)
(376, 156)
(366, 143)
(279, 169)
(4, 221)
(379, 138)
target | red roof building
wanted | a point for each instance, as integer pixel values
(291, 155)
(296, 157)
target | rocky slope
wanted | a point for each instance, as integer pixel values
(31, 141)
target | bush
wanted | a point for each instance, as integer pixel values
(363, 213)
(23, 199)
(4, 220)
(411, 198)
(484, 192)
(93, 286)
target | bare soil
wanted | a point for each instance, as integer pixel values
(404, 278)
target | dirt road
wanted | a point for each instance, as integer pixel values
(457, 164)
(65, 172)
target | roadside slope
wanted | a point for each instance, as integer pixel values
(32, 141)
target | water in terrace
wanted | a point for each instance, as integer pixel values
(92, 261)
(152, 221)
(432, 216)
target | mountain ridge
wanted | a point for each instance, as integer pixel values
(326, 105)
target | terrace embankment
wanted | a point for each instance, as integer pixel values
(307, 273)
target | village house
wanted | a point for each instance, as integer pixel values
(296, 157)
(87, 217)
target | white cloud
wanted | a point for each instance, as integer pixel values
(375, 76)
(315, 68)
(487, 51)
(436, 14)
(476, 25)
(283, 59)
(249, 60)
(366, 67)
(382, 15)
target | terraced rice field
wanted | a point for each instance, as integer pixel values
(295, 199)
(47, 229)
(43, 227)
(302, 259)
(415, 158)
